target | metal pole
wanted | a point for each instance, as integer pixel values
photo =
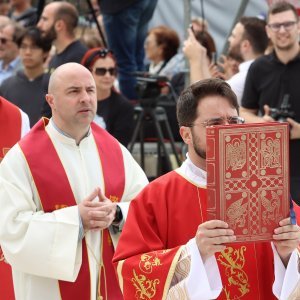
(238, 15)
(187, 21)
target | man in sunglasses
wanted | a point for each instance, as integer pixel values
(57, 228)
(10, 62)
(273, 82)
(168, 248)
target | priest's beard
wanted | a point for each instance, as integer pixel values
(199, 150)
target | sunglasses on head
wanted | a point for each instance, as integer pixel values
(104, 52)
(99, 53)
(103, 71)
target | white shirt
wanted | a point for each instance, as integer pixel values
(237, 81)
(25, 123)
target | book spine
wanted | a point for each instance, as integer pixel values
(212, 163)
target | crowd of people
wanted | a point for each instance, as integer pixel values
(78, 217)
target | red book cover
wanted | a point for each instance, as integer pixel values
(248, 177)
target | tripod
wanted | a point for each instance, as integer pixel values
(158, 116)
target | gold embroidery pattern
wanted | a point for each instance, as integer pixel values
(60, 206)
(235, 154)
(233, 260)
(147, 262)
(145, 288)
(237, 213)
(270, 153)
(113, 198)
(271, 206)
(247, 190)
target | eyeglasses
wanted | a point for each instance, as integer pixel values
(103, 71)
(221, 121)
(286, 25)
(4, 40)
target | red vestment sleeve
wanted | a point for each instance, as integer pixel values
(144, 259)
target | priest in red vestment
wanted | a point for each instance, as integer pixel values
(168, 250)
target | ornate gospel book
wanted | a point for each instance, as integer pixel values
(248, 177)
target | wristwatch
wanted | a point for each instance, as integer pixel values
(118, 216)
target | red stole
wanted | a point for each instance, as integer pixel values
(173, 208)
(39, 150)
(10, 128)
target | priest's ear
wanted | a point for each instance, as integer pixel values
(50, 100)
(186, 134)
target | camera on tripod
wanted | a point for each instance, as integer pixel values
(283, 112)
(149, 88)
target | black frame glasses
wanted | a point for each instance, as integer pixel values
(103, 71)
(286, 25)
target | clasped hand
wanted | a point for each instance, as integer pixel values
(96, 215)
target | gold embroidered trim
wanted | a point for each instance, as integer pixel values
(233, 260)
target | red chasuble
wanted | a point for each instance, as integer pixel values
(39, 151)
(10, 128)
(166, 215)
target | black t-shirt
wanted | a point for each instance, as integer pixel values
(117, 113)
(73, 53)
(28, 95)
(268, 80)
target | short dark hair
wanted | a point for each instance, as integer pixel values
(35, 35)
(282, 6)
(255, 33)
(189, 99)
(68, 13)
(168, 39)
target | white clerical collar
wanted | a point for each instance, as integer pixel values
(192, 172)
(66, 136)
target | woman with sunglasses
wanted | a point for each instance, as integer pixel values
(114, 111)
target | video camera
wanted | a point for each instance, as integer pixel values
(149, 88)
(283, 112)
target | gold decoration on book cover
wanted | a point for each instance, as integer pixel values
(248, 177)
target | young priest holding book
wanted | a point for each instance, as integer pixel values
(174, 251)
